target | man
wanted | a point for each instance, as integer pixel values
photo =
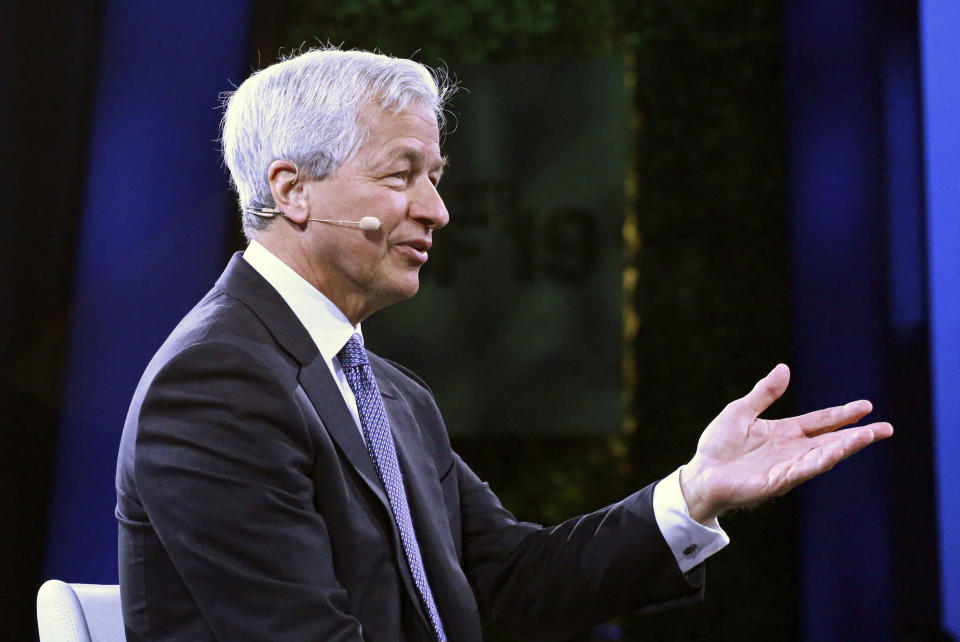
(277, 481)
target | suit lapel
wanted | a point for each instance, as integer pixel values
(419, 473)
(328, 402)
(243, 282)
(428, 511)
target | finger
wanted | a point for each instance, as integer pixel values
(821, 458)
(829, 419)
(766, 391)
(881, 430)
(830, 449)
(815, 462)
(851, 440)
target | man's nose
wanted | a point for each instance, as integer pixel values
(426, 206)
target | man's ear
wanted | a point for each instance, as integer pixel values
(289, 192)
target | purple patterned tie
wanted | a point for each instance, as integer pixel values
(376, 432)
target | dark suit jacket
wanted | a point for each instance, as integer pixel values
(249, 507)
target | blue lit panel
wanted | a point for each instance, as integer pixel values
(837, 237)
(940, 53)
(153, 238)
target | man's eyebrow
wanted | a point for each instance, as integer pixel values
(405, 152)
(413, 154)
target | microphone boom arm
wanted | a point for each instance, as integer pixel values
(367, 223)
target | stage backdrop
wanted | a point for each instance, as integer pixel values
(517, 325)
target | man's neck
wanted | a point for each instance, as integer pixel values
(354, 308)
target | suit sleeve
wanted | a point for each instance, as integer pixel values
(546, 583)
(223, 468)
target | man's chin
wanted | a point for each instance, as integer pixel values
(411, 289)
(404, 290)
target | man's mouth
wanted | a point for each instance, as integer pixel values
(416, 249)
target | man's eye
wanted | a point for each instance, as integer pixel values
(400, 175)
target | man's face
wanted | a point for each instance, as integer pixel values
(392, 177)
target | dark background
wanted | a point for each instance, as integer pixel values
(717, 287)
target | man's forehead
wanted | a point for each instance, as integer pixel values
(411, 133)
(415, 113)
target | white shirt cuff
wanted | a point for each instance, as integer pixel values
(691, 542)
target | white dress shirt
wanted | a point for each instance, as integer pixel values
(325, 323)
(690, 541)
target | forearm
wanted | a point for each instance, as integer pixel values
(538, 582)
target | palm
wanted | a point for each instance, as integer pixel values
(742, 459)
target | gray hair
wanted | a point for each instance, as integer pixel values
(306, 109)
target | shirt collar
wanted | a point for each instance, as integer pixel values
(327, 325)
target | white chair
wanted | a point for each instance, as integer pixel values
(79, 613)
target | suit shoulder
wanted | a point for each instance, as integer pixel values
(204, 381)
(218, 327)
(218, 316)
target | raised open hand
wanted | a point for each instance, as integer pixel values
(742, 459)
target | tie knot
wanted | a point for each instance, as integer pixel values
(352, 354)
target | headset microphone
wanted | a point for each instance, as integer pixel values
(367, 223)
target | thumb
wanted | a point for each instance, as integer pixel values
(767, 390)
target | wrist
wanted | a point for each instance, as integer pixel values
(694, 494)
